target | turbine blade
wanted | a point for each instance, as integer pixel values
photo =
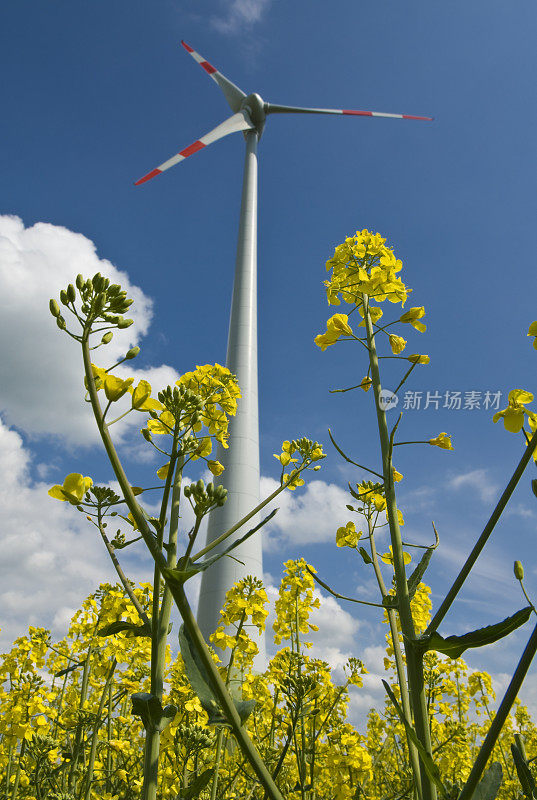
(238, 122)
(270, 108)
(232, 93)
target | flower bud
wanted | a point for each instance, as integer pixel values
(107, 337)
(60, 322)
(132, 353)
(71, 294)
(125, 323)
(54, 308)
(187, 491)
(79, 282)
(99, 302)
(200, 486)
(63, 297)
(518, 570)
(145, 433)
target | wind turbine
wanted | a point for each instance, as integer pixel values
(241, 460)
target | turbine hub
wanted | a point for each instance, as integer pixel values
(255, 106)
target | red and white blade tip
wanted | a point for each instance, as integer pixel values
(209, 69)
(354, 113)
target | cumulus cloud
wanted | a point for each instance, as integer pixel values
(41, 371)
(52, 557)
(239, 15)
(306, 517)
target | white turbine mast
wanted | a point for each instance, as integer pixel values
(241, 459)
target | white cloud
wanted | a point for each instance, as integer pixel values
(41, 370)
(310, 516)
(52, 557)
(239, 15)
(477, 480)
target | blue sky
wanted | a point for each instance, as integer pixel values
(95, 95)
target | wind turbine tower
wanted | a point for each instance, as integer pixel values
(241, 459)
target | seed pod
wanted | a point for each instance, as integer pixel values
(79, 282)
(107, 337)
(63, 297)
(54, 308)
(71, 294)
(518, 569)
(132, 353)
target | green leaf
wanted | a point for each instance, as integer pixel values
(149, 709)
(120, 545)
(67, 670)
(365, 555)
(523, 771)
(195, 788)
(129, 628)
(454, 646)
(415, 579)
(180, 576)
(428, 763)
(489, 785)
(200, 682)
(199, 679)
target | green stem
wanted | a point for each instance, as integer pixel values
(79, 736)
(122, 577)
(214, 787)
(245, 743)
(19, 770)
(414, 660)
(399, 664)
(160, 622)
(97, 725)
(481, 542)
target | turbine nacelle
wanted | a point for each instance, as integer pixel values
(255, 106)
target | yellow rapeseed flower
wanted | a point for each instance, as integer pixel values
(397, 343)
(348, 536)
(215, 467)
(388, 557)
(412, 316)
(533, 332)
(336, 326)
(442, 440)
(74, 488)
(513, 415)
(416, 358)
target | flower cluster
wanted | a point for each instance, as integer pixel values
(363, 265)
(295, 603)
(246, 600)
(308, 453)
